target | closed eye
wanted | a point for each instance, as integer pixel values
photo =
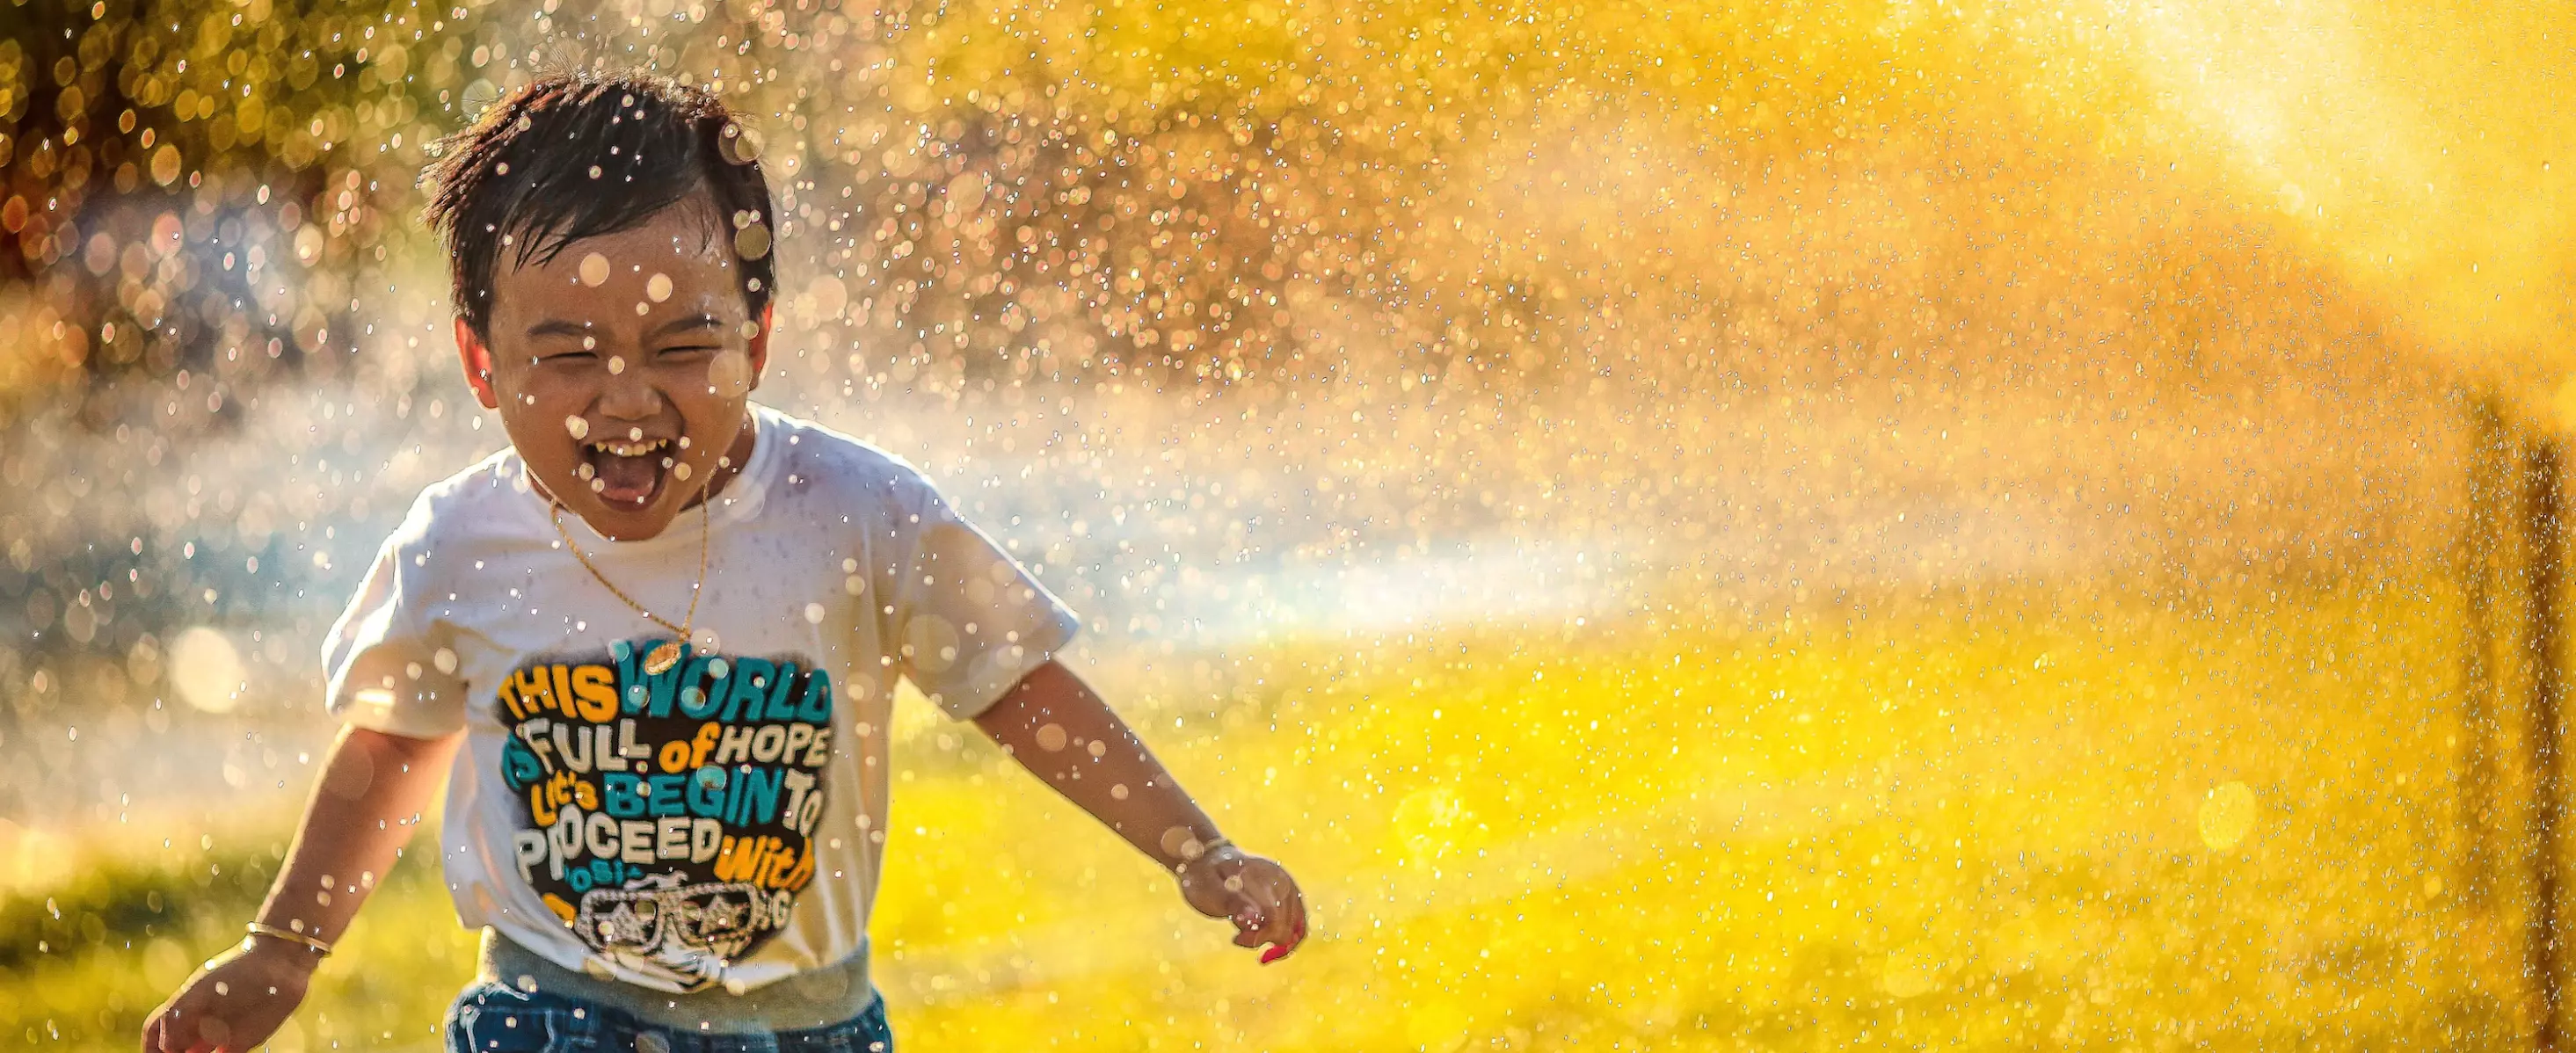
(691, 333)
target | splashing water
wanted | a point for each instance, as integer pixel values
(1900, 522)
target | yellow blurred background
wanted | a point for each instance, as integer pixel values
(1689, 526)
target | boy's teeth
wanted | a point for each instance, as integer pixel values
(624, 472)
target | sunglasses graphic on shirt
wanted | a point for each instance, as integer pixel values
(720, 918)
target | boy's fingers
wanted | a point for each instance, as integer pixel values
(174, 1032)
(1282, 931)
(1278, 918)
(1249, 921)
(1283, 946)
(1290, 931)
(1266, 908)
(1296, 910)
(196, 1033)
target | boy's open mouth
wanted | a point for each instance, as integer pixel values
(626, 472)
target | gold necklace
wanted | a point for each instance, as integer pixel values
(661, 658)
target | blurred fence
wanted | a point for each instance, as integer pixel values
(2514, 583)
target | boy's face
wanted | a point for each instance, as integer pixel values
(622, 368)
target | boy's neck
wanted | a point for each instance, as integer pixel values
(736, 457)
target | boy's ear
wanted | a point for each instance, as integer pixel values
(476, 357)
(759, 348)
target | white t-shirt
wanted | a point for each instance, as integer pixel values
(720, 824)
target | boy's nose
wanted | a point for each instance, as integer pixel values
(627, 395)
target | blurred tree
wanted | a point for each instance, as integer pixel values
(199, 187)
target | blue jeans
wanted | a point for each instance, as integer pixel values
(495, 1018)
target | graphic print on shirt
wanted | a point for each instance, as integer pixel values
(667, 819)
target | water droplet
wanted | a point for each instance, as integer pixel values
(2227, 814)
(206, 670)
(739, 145)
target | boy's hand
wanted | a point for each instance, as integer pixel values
(235, 1002)
(1054, 725)
(1253, 892)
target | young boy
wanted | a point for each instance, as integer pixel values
(665, 627)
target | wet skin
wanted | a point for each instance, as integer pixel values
(623, 367)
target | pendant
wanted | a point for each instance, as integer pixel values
(662, 657)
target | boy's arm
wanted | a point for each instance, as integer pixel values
(372, 789)
(1065, 735)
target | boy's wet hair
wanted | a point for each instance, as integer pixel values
(577, 154)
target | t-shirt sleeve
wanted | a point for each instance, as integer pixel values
(968, 621)
(384, 664)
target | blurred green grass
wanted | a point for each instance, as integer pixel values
(130, 931)
(1981, 823)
